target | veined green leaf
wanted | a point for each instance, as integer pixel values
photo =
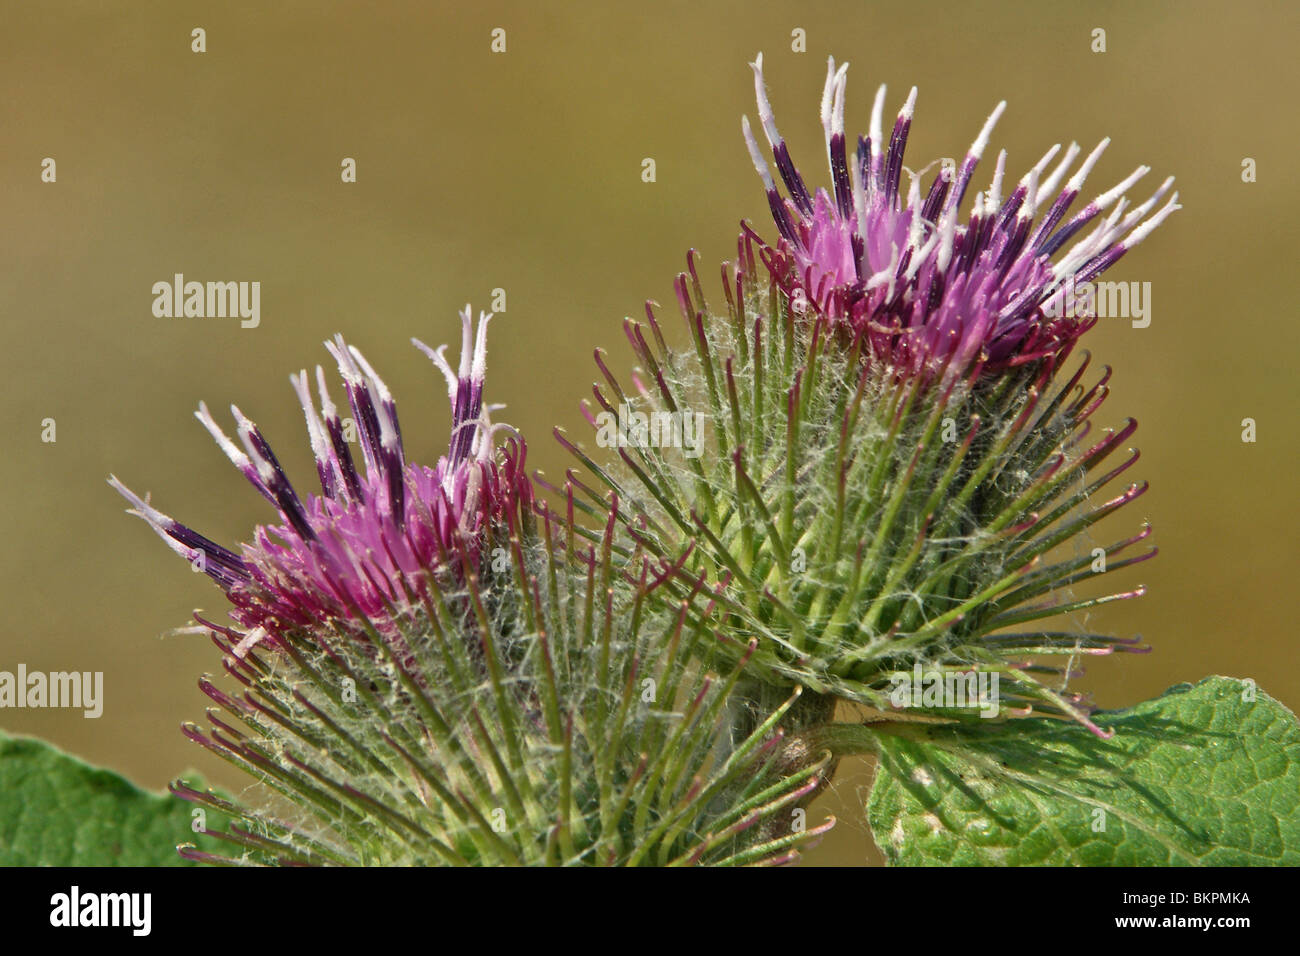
(1206, 774)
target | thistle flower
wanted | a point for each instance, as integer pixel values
(899, 482)
(925, 288)
(859, 527)
(425, 674)
(362, 545)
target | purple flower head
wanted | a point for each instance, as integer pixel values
(924, 287)
(374, 539)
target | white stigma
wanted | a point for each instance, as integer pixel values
(756, 155)
(1077, 180)
(1048, 187)
(438, 359)
(245, 428)
(327, 408)
(982, 140)
(765, 116)
(993, 201)
(909, 107)
(232, 451)
(478, 368)
(315, 430)
(876, 128)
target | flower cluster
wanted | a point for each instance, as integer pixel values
(462, 672)
(925, 286)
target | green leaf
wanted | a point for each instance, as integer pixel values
(1203, 775)
(58, 811)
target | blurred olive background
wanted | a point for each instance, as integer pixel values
(522, 171)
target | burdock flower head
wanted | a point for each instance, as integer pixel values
(423, 669)
(924, 286)
(897, 471)
(370, 541)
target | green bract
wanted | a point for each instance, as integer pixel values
(532, 715)
(858, 522)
